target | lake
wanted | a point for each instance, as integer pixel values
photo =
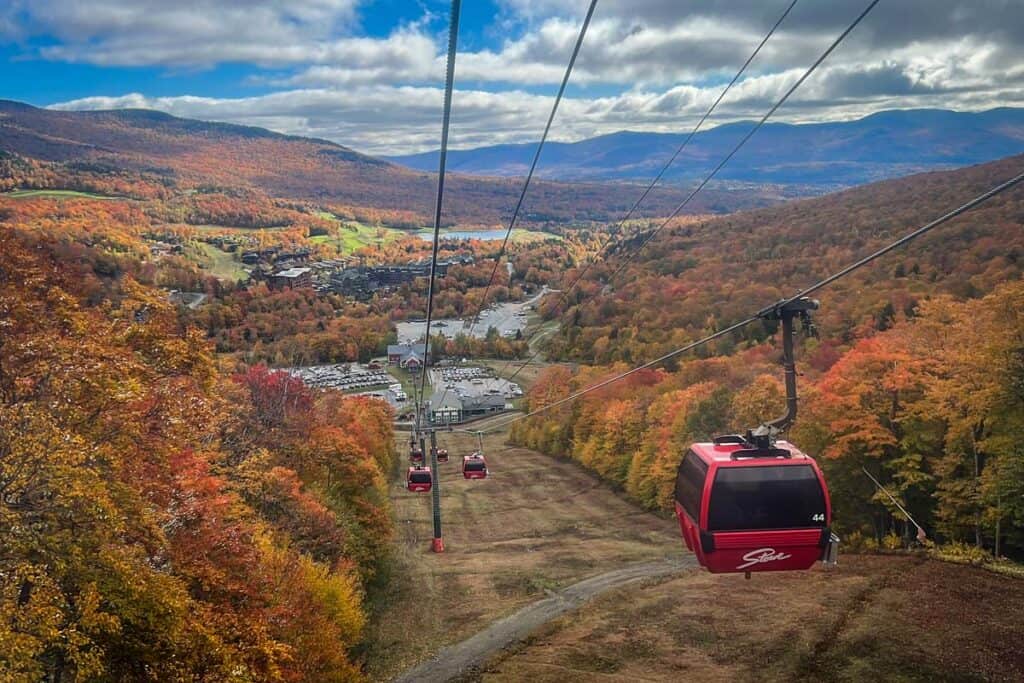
(465, 235)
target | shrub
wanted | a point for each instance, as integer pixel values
(892, 541)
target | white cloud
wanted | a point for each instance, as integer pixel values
(180, 32)
(384, 119)
(646, 64)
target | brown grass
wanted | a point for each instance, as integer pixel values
(872, 618)
(540, 524)
(535, 525)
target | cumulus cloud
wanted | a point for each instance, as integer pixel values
(179, 32)
(383, 119)
(646, 64)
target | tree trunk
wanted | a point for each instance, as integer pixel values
(999, 517)
(977, 490)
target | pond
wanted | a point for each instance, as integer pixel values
(464, 235)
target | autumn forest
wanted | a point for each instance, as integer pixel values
(174, 507)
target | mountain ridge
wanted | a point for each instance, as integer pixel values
(192, 154)
(882, 145)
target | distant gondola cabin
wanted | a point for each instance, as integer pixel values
(419, 479)
(474, 466)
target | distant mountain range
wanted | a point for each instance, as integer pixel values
(188, 154)
(883, 145)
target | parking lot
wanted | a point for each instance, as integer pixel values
(472, 381)
(508, 318)
(341, 376)
(356, 380)
(450, 374)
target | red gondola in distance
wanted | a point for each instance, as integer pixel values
(419, 479)
(750, 509)
(416, 455)
(474, 466)
(442, 455)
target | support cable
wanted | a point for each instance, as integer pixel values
(679, 150)
(745, 138)
(533, 167)
(449, 80)
(963, 208)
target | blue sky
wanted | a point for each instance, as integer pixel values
(367, 73)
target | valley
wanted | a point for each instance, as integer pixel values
(145, 154)
(212, 340)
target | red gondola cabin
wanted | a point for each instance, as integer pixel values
(748, 509)
(419, 479)
(474, 466)
(416, 456)
(442, 455)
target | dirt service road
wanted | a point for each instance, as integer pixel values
(536, 526)
(470, 654)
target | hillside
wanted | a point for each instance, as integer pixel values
(162, 518)
(185, 154)
(915, 373)
(883, 145)
(712, 272)
(549, 575)
(873, 618)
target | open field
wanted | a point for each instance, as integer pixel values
(519, 543)
(50, 194)
(220, 264)
(534, 526)
(231, 229)
(351, 236)
(872, 618)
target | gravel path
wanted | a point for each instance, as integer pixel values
(460, 658)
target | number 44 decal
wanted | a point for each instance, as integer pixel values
(820, 517)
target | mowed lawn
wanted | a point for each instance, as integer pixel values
(872, 618)
(351, 236)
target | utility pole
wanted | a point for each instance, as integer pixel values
(437, 545)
